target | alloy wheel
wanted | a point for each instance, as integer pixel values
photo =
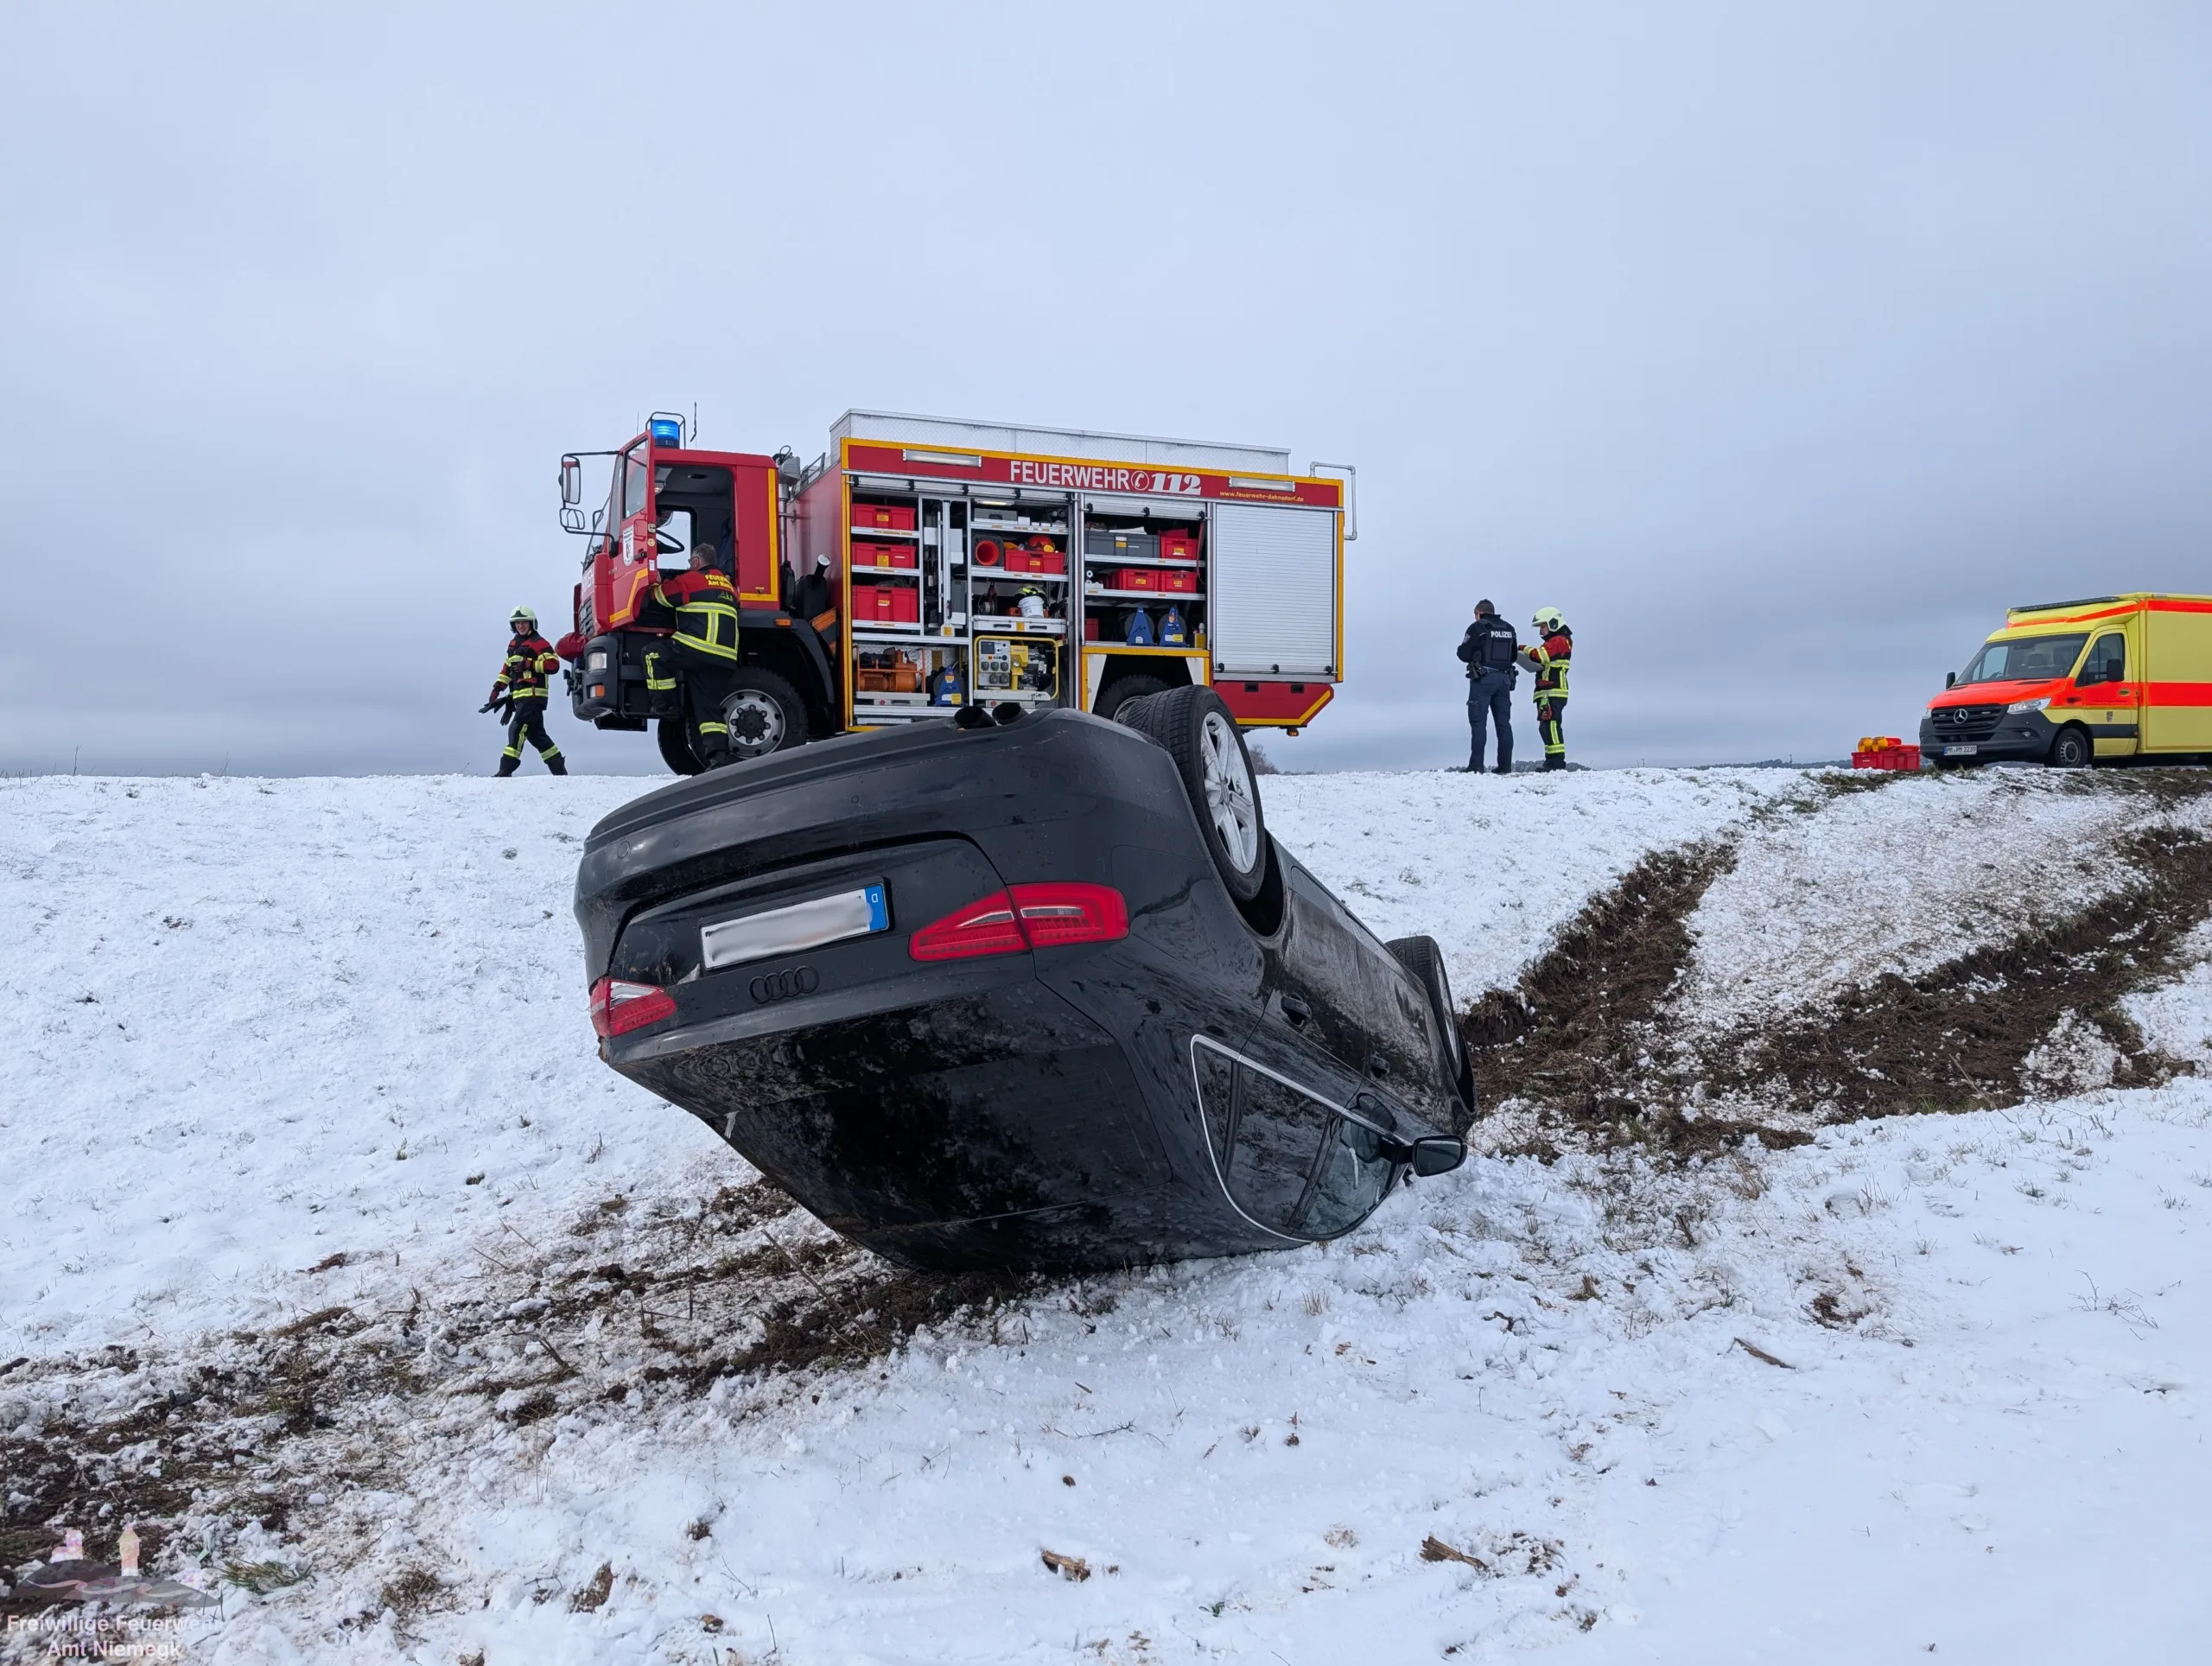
(1230, 798)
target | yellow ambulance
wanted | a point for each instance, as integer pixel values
(2071, 683)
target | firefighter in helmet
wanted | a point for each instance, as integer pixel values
(523, 684)
(705, 647)
(1548, 657)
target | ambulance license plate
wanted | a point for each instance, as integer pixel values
(1960, 751)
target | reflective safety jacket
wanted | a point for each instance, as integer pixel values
(530, 661)
(1551, 658)
(706, 611)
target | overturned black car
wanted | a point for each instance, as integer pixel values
(1021, 990)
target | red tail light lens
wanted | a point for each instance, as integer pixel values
(619, 1007)
(986, 926)
(1028, 916)
(1053, 914)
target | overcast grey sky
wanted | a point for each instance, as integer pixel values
(1779, 346)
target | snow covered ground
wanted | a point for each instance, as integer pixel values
(1930, 1381)
(1904, 881)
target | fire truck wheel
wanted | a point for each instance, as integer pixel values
(763, 712)
(675, 748)
(2072, 749)
(1197, 731)
(1122, 690)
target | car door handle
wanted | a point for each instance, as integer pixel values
(1296, 1010)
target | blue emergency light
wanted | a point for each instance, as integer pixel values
(667, 430)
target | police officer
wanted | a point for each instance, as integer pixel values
(522, 682)
(1550, 657)
(1488, 651)
(705, 647)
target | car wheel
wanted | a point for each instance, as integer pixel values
(1122, 690)
(1421, 956)
(1199, 733)
(675, 748)
(763, 712)
(2072, 748)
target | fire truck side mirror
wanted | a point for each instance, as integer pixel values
(572, 519)
(572, 482)
(1950, 679)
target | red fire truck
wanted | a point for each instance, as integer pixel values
(920, 564)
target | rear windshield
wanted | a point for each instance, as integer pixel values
(2025, 659)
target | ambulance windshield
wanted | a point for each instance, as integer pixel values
(2024, 658)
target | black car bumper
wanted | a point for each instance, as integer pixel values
(2009, 737)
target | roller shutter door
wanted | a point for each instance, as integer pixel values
(1274, 609)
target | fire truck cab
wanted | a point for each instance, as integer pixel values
(921, 563)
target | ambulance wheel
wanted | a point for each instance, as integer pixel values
(1197, 729)
(1122, 690)
(2072, 749)
(763, 712)
(1421, 956)
(675, 748)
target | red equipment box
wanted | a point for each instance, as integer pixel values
(886, 604)
(884, 555)
(1898, 757)
(1179, 546)
(1036, 561)
(1136, 578)
(1090, 629)
(1180, 581)
(883, 518)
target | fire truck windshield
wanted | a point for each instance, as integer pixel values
(2024, 658)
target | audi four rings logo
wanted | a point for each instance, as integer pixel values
(781, 986)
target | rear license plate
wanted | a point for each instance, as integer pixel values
(1960, 751)
(795, 926)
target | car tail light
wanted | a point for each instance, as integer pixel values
(985, 926)
(1054, 914)
(1026, 917)
(619, 1007)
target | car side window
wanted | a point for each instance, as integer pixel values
(2107, 660)
(1289, 1161)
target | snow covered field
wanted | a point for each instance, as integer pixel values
(1929, 1380)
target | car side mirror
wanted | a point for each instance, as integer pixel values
(572, 481)
(1432, 1153)
(572, 519)
(1950, 679)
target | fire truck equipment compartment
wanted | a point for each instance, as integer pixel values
(1071, 1047)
